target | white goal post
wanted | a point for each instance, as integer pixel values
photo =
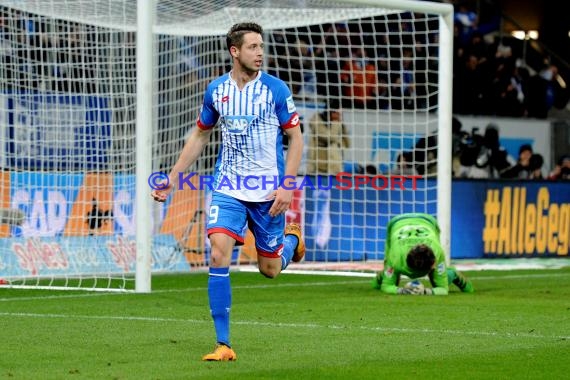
(98, 96)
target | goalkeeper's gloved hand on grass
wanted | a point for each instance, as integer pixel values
(422, 291)
(418, 291)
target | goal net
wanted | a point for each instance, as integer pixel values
(97, 98)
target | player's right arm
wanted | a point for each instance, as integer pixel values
(389, 280)
(198, 139)
(195, 143)
(438, 276)
(393, 259)
(194, 146)
(391, 273)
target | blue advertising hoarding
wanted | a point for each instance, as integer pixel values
(510, 219)
(58, 235)
(488, 219)
(46, 131)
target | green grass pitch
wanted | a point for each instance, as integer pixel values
(516, 326)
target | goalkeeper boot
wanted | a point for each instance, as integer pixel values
(299, 253)
(221, 353)
(463, 284)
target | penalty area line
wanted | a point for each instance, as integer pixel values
(315, 272)
(359, 280)
(335, 273)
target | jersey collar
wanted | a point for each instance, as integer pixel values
(232, 80)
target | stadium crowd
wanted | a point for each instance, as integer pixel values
(369, 66)
(375, 65)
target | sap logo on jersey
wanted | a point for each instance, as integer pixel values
(238, 124)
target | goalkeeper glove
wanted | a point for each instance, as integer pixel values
(422, 292)
(405, 291)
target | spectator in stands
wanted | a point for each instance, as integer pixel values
(503, 50)
(308, 69)
(458, 135)
(284, 60)
(522, 169)
(408, 77)
(561, 170)
(465, 20)
(545, 92)
(327, 67)
(383, 98)
(471, 145)
(535, 166)
(404, 164)
(509, 89)
(470, 88)
(396, 92)
(478, 48)
(359, 76)
(329, 136)
(493, 158)
(425, 155)
(370, 170)
(330, 52)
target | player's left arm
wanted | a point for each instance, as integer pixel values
(284, 194)
(391, 274)
(438, 276)
(390, 281)
(441, 287)
(290, 123)
(295, 151)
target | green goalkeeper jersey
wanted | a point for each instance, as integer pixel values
(405, 232)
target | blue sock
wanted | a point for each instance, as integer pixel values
(220, 297)
(289, 244)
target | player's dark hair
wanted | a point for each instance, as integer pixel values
(237, 31)
(420, 258)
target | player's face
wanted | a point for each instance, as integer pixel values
(250, 55)
(336, 115)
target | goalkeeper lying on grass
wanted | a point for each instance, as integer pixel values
(413, 250)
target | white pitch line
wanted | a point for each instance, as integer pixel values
(373, 274)
(195, 289)
(528, 275)
(292, 325)
(268, 286)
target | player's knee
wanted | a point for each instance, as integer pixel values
(270, 272)
(219, 259)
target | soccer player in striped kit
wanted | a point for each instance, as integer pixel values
(254, 110)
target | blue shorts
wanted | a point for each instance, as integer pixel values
(233, 216)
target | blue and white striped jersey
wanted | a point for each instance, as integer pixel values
(251, 161)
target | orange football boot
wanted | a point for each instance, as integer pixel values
(221, 353)
(299, 253)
